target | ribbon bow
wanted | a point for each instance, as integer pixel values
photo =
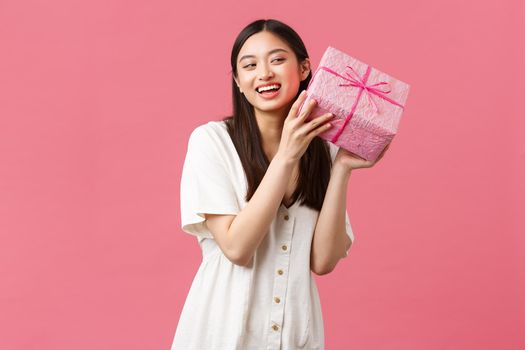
(355, 80)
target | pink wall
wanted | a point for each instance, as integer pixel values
(97, 100)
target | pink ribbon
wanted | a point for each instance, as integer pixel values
(360, 82)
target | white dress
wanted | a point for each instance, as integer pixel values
(271, 304)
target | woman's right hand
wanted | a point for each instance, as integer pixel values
(296, 134)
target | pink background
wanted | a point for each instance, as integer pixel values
(98, 98)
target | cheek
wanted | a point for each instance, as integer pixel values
(243, 82)
(292, 81)
(291, 76)
(244, 79)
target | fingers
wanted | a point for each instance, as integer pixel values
(307, 109)
(295, 106)
(319, 123)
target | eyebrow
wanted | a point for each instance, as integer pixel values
(269, 53)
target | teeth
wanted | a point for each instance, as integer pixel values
(269, 87)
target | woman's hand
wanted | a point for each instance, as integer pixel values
(296, 134)
(350, 161)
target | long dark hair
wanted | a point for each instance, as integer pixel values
(314, 165)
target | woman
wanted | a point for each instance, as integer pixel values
(266, 199)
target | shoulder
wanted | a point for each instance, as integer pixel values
(211, 141)
(210, 134)
(212, 131)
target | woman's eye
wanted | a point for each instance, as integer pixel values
(275, 59)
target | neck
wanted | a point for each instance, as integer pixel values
(271, 127)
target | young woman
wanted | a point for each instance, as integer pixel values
(266, 199)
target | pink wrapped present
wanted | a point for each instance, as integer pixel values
(367, 104)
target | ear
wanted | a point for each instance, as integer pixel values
(305, 68)
(237, 82)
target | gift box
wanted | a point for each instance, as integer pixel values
(367, 104)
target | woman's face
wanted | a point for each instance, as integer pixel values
(266, 59)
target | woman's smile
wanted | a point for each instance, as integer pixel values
(270, 93)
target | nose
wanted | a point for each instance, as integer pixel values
(266, 72)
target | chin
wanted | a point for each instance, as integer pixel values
(276, 106)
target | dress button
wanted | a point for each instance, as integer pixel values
(277, 300)
(284, 247)
(280, 272)
(275, 327)
(286, 217)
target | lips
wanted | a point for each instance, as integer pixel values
(269, 84)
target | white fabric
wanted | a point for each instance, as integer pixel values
(232, 307)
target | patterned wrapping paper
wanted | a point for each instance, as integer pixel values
(367, 104)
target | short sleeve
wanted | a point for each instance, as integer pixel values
(333, 152)
(206, 185)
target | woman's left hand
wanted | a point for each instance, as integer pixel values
(352, 161)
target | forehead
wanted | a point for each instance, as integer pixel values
(260, 44)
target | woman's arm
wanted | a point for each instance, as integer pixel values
(331, 242)
(239, 235)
